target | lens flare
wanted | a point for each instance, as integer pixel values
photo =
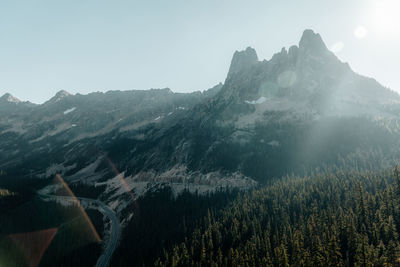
(124, 183)
(337, 47)
(82, 210)
(121, 178)
(34, 244)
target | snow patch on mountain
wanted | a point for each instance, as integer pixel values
(69, 110)
(57, 168)
(274, 143)
(258, 101)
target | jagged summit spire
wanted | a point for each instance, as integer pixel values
(311, 41)
(242, 60)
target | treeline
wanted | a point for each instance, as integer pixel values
(336, 219)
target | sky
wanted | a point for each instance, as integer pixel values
(84, 46)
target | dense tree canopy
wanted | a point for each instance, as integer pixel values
(335, 219)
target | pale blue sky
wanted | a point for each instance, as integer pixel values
(98, 45)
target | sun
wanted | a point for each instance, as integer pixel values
(360, 32)
(386, 16)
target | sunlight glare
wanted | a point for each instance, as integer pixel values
(337, 47)
(360, 32)
(386, 18)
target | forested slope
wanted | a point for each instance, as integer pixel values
(335, 219)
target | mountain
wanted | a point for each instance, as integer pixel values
(8, 98)
(302, 109)
(11, 107)
(60, 95)
(67, 119)
(307, 78)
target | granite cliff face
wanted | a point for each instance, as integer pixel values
(298, 111)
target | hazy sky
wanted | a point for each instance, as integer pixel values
(99, 45)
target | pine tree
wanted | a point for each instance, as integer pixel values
(364, 254)
(335, 256)
(281, 257)
(184, 259)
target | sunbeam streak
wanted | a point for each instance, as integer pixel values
(121, 178)
(82, 210)
(34, 244)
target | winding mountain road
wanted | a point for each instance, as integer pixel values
(115, 230)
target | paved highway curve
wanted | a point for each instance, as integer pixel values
(115, 231)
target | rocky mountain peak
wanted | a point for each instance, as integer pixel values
(312, 42)
(8, 98)
(307, 75)
(59, 95)
(62, 93)
(242, 60)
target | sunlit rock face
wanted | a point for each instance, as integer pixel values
(297, 111)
